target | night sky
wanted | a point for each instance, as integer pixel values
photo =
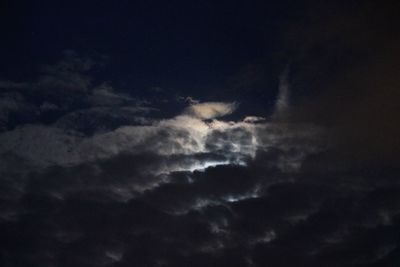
(199, 133)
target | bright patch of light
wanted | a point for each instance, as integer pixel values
(237, 198)
(253, 194)
(197, 166)
(202, 166)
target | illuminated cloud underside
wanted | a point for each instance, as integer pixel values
(187, 134)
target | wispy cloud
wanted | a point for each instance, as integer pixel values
(282, 100)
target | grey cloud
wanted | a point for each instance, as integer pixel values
(117, 210)
(60, 92)
(182, 134)
(282, 105)
(13, 85)
(106, 95)
(114, 185)
(14, 109)
(67, 74)
(191, 189)
(103, 119)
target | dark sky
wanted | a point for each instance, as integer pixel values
(199, 133)
(199, 48)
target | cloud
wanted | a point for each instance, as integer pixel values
(104, 119)
(106, 183)
(225, 213)
(282, 102)
(15, 109)
(70, 73)
(106, 95)
(211, 110)
(181, 189)
(65, 94)
(188, 99)
(13, 85)
(180, 135)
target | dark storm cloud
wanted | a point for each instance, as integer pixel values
(109, 213)
(142, 228)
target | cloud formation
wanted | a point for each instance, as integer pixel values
(107, 184)
(181, 135)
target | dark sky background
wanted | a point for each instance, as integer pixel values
(199, 133)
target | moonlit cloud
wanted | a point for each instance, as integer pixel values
(211, 110)
(195, 168)
(201, 152)
(235, 143)
(180, 135)
(113, 124)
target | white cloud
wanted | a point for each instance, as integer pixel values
(253, 119)
(181, 135)
(211, 110)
